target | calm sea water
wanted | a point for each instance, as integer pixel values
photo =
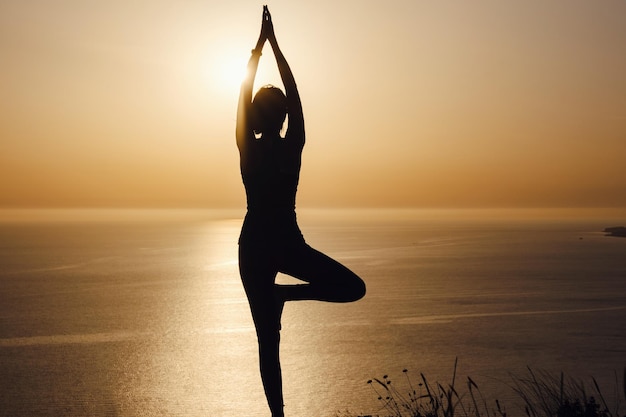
(143, 314)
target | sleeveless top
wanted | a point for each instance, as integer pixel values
(271, 198)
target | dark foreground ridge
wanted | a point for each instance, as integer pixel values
(619, 231)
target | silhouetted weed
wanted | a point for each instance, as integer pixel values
(542, 394)
(545, 395)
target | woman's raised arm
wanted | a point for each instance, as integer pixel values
(243, 130)
(294, 106)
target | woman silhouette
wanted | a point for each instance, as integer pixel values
(270, 240)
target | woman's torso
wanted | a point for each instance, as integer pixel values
(271, 178)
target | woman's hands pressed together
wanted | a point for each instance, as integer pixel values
(267, 31)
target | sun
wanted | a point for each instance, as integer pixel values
(225, 70)
(232, 70)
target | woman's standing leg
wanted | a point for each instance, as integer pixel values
(258, 275)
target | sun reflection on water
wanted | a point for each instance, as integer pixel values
(203, 333)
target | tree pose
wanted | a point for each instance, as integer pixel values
(270, 240)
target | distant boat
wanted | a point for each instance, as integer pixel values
(619, 231)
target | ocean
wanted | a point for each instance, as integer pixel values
(141, 312)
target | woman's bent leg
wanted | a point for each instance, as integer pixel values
(327, 279)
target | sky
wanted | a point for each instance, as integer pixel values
(407, 103)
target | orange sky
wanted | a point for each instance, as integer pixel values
(407, 102)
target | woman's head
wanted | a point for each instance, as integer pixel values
(269, 109)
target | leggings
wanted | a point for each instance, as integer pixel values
(324, 279)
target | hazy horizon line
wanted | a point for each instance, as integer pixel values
(36, 214)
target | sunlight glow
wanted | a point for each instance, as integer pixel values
(445, 104)
(225, 70)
